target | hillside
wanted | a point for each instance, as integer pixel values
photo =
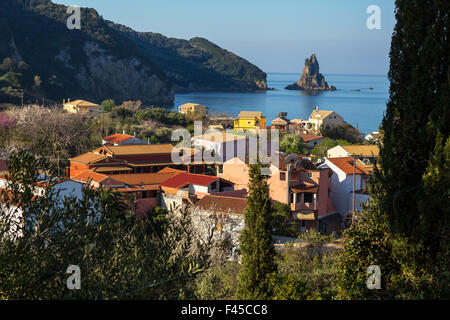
(198, 64)
(52, 62)
(39, 54)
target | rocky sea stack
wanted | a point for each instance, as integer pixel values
(311, 79)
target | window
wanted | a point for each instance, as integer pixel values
(220, 168)
(291, 198)
(303, 224)
(309, 175)
(308, 197)
(282, 176)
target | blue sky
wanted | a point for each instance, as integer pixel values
(277, 36)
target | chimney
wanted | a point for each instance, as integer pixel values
(68, 100)
(123, 131)
(317, 108)
(134, 134)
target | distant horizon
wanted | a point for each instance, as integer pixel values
(273, 36)
(331, 74)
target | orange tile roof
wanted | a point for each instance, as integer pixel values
(111, 169)
(310, 137)
(89, 175)
(363, 150)
(346, 165)
(219, 204)
(143, 178)
(88, 158)
(118, 138)
(140, 149)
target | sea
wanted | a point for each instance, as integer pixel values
(360, 99)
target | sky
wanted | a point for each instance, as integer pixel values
(276, 36)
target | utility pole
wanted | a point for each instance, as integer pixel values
(354, 174)
(21, 95)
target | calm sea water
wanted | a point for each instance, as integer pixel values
(363, 109)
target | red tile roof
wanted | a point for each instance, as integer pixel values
(310, 137)
(346, 165)
(183, 179)
(218, 204)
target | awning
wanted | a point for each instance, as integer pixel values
(306, 216)
(305, 188)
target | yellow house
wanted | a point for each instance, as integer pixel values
(192, 108)
(250, 120)
(82, 106)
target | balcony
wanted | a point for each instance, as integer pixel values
(304, 206)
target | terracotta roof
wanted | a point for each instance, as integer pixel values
(82, 103)
(183, 179)
(320, 114)
(89, 175)
(242, 193)
(346, 165)
(310, 137)
(143, 178)
(167, 169)
(280, 121)
(88, 158)
(111, 169)
(297, 121)
(140, 149)
(363, 150)
(117, 138)
(220, 204)
(304, 187)
(250, 114)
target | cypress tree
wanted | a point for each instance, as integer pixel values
(414, 158)
(256, 241)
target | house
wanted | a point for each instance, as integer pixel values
(145, 158)
(319, 118)
(192, 108)
(311, 140)
(298, 126)
(250, 120)
(143, 190)
(281, 123)
(221, 145)
(342, 183)
(83, 107)
(374, 136)
(221, 217)
(118, 139)
(368, 154)
(293, 182)
(186, 188)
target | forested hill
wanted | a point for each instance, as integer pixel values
(198, 64)
(39, 54)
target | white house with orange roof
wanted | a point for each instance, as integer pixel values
(342, 183)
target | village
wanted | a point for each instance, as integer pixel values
(320, 194)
